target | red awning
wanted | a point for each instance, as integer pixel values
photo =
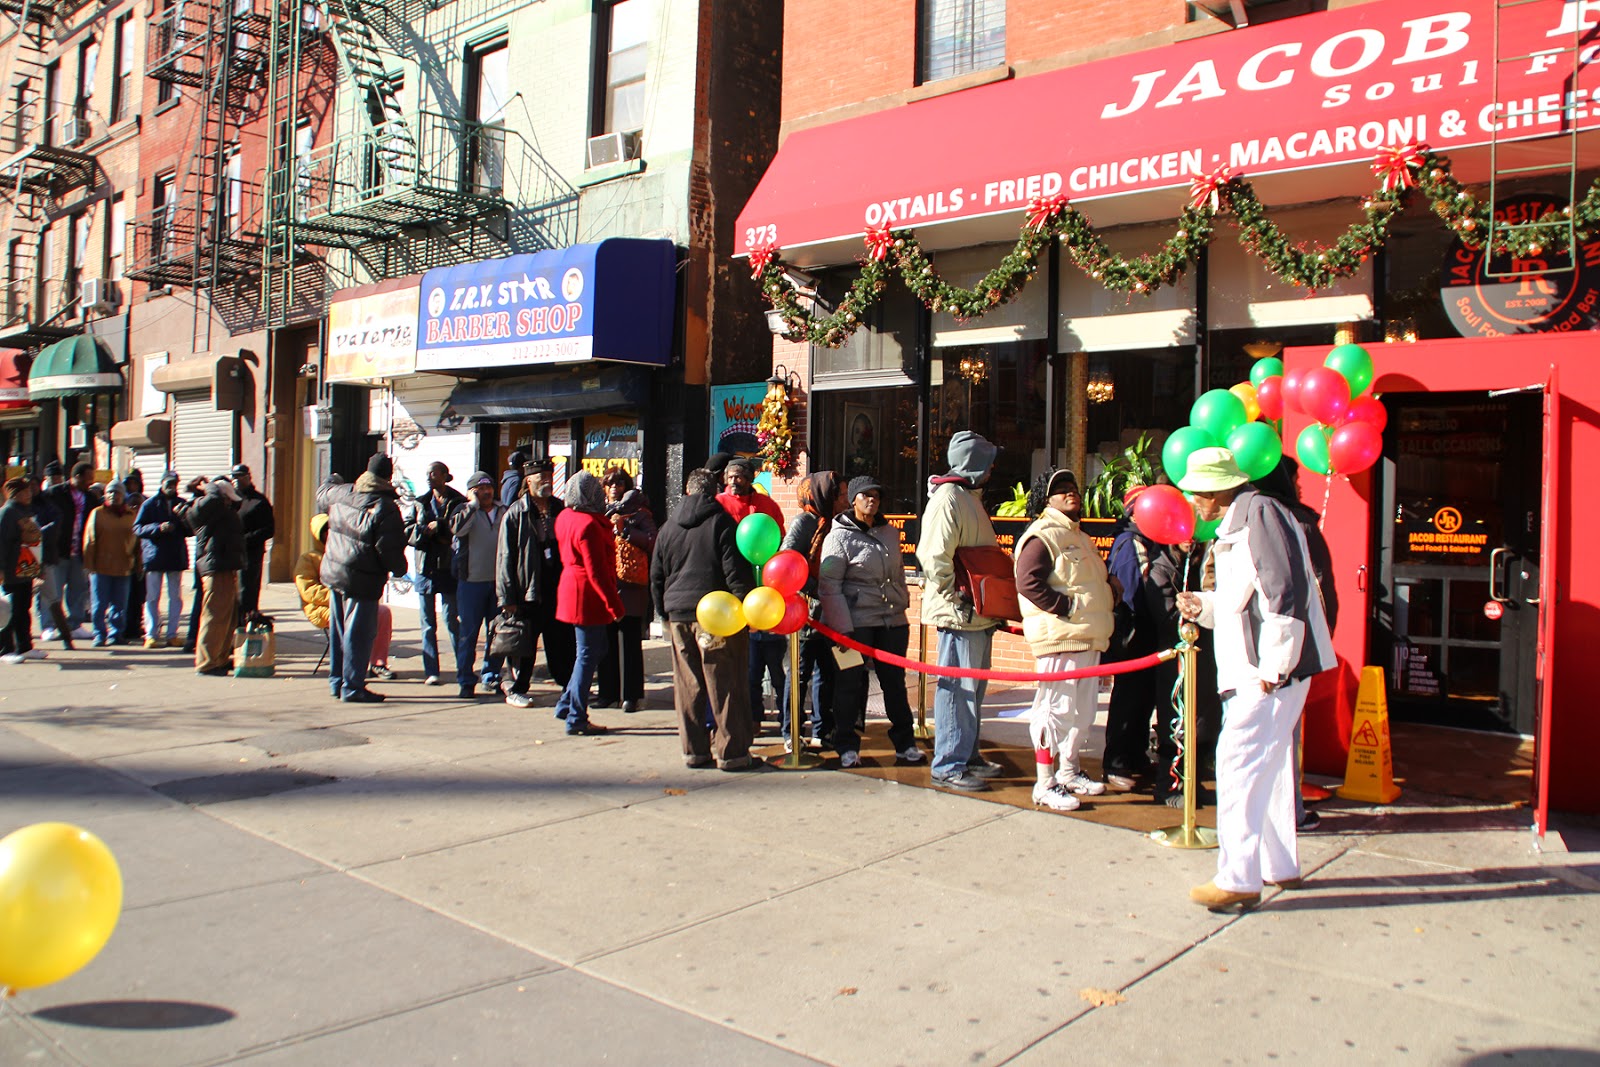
(14, 380)
(1294, 98)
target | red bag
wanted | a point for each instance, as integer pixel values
(989, 578)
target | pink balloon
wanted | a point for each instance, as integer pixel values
(795, 613)
(1367, 409)
(1324, 395)
(1291, 388)
(1354, 447)
(1269, 397)
(1163, 514)
(786, 572)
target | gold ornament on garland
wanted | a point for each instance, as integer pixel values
(1312, 267)
(773, 432)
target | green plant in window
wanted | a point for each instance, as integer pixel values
(1138, 464)
(1016, 507)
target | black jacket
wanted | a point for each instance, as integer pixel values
(436, 558)
(162, 551)
(12, 518)
(366, 540)
(45, 514)
(527, 564)
(218, 533)
(60, 499)
(696, 553)
(255, 511)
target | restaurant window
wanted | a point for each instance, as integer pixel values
(122, 78)
(624, 29)
(959, 36)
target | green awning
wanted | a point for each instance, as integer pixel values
(73, 367)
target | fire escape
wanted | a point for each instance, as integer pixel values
(39, 163)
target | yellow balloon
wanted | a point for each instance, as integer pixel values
(60, 895)
(720, 613)
(1252, 407)
(763, 607)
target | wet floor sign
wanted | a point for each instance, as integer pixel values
(1369, 773)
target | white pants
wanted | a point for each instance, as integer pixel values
(152, 603)
(1256, 786)
(1063, 712)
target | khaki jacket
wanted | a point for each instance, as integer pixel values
(954, 519)
(109, 543)
(1078, 572)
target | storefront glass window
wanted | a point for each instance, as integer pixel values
(1133, 393)
(997, 390)
(870, 431)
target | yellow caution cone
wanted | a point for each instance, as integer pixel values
(1369, 774)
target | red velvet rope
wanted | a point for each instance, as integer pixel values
(1123, 667)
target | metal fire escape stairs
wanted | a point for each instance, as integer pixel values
(1511, 157)
(34, 173)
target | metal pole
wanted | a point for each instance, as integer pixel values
(922, 731)
(797, 758)
(1188, 835)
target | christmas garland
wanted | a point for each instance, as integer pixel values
(773, 433)
(1310, 266)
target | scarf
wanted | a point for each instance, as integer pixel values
(817, 495)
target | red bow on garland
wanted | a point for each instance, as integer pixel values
(760, 256)
(1041, 209)
(1207, 189)
(1395, 166)
(878, 240)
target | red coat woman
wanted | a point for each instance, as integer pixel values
(586, 596)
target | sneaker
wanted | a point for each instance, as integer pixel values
(1079, 783)
(849, 759)
(967, 783)
(594, 729)
(13, 658)
(1308, 822)
(100, 642)
(151, 642)
(519, 700)
(490, 683)
(911, 755)
(1122, 783)
(432, 679)
(383, 674)
(1053, 796)
(363, 696)
(36, 653)
(984, 769)
(695, 763)
(82, 633)
(49, 633)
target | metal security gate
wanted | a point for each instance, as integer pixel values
(202, 436)
(152, 464)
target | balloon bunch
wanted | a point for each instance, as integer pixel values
(1348, 436)
(60, 895)
(776, 605)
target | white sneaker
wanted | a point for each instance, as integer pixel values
(1052, 796)
(519, 700)
(12, 658)
(49, 634)
(850, 759)
(83, 633)
(432, 679)
(910, 755)
(35, 653)
(1079, 783)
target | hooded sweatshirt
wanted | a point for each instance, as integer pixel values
(696, 554)
(954, 519)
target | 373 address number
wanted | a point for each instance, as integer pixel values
(756, 236)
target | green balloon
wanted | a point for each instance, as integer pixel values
(1355, 364)
(1263, 369)
(1175, 453)
(1218, 413)
(1205, 531)
(1312, 448)
(758, 538)
(1256, 449)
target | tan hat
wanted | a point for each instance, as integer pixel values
(1212, 470)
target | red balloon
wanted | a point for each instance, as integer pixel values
(1367, 409)
(1355, 446)
(795, 614)
(1291, 388)
(1163, 514)
(1269, 397)
(786, 572)
(1324, 395)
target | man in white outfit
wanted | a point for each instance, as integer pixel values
(1271, 637)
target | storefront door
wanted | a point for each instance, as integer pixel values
(1458, 539)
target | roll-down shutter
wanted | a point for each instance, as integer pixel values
(202, 437)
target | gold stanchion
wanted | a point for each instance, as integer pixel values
(1188, 835)
(922, 731)
(797, 758)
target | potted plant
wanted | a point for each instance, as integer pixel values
(1137, 464)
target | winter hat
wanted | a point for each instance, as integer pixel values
(1212, 470)
(741, 461)
(319, 528)
(718, 462)
(971, 455)
(1132, 494)
(225, 488)
(380, 466)
(584, 493)
(478, 478)
(865, 483)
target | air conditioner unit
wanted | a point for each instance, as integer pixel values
(74, 131)
(98, 294)
(319, 422)
(611, 148)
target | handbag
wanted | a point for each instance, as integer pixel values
(989, 579)
(511, 637)
(633, 565)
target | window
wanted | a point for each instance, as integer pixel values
(488, 93)
(47, 269)
(167, 29)
(52, 103)
(77, 255)
(164, 199)
(122, 79)
(233, 171)
(116, 238)
(625, 28)
(16, 296)
(960, 36)
(88, 67)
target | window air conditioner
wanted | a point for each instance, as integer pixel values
(99, 294)
(73, 131)
(611, 148)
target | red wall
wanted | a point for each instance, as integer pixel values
(1468, 365)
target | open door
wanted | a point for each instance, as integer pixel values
(1548, 593)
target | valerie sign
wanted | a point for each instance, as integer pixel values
(373, 337)
(1317, 90)
(608, 301)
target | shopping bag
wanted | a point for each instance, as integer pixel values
(255, 651)
(511, 637)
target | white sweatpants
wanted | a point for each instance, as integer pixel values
(1256, 786)
(1063, 712)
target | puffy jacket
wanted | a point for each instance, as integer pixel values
(60, 498)
(255, 512)
(696, 554)
(863, 579)
(1073, 571)
(160, 551)
(436, 558)
(954, 519)
(109, 543)
(218, 532)
(587, 594)
(366, 540)
(314, 595)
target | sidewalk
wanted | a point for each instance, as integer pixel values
(429, 881)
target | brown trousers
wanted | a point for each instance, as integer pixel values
(720, 677)
(219, 601)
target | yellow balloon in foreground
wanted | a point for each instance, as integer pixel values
(1252, 407)
(720, 613)
(763, 607)
(60, 895)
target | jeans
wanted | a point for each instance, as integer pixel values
(475, 601)
(152, 602)
(430, 629)
(72, 589)
(852, 691)
(352, 628)
(818, 671)
(958, 702)
(110, 602)
(573, 704)
(768, 652)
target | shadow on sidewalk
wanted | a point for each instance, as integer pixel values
(136, 1014)
(1432, 887)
